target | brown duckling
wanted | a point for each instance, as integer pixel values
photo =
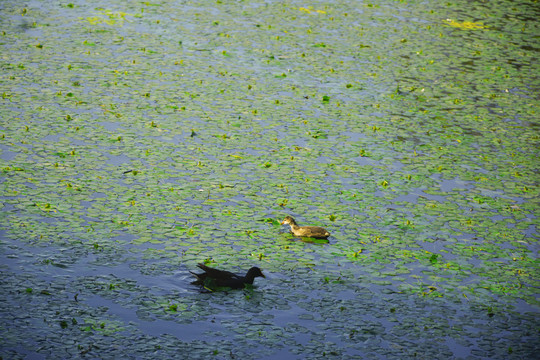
(220, 278)
(306, 231)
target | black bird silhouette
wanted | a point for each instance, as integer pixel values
(220, 278)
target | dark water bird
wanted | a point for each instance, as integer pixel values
(306, 231)
(220, 278)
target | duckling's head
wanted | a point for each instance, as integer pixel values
(288, 220)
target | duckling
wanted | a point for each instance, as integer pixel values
(220, 278)
(306, 231)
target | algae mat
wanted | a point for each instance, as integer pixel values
(138, 139)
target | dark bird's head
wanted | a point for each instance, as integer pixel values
(253, 273)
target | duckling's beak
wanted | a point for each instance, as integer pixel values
(283, 222)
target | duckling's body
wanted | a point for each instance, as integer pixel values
(306, 231)
(221, 278)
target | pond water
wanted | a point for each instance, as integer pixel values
(139, 139)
